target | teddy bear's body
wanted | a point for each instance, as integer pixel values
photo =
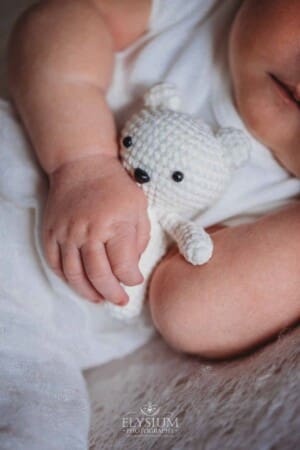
(184, 168)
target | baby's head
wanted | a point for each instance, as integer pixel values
(264, 55)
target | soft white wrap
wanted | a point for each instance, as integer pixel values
(47, 333)
(24, 274)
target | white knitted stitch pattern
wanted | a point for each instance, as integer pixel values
(164, 142)
(192, 241)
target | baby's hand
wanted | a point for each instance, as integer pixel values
(95, 228)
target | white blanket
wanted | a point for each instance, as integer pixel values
(47, 333)
(86, 331)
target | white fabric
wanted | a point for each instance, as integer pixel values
(25, 276)
(44, 325)
(46, 331)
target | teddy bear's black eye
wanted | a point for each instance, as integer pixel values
(177, 176)
(127, 141)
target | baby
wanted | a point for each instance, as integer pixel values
(76, 69)
(95, 223)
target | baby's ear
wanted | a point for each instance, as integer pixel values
(163, 95)
(235, 144)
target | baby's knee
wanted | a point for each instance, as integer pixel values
(187, 316)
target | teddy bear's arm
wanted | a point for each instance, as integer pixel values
(193, 242)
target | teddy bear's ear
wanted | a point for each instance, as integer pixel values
(235, 144)
(163, 95)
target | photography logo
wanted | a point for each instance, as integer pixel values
(150, 420)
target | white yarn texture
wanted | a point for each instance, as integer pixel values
(188, 168)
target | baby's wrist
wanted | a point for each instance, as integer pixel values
(85, 167)
(84, 155)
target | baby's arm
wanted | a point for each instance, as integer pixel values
(60, 65)
(246, 294)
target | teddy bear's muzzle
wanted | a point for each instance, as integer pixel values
(141, 176)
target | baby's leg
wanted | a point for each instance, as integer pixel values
(43, 399)
(246, 294)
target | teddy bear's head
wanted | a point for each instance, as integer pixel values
(177, 159)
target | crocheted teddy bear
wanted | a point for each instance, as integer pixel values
(183, 168)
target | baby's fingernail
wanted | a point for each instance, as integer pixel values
(141, 278)
(123, 302)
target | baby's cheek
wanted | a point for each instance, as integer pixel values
(271, 123)
(255, 113)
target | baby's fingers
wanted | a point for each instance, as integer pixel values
(75, 275)
(123, 256)
(53, 256)
(99, 273)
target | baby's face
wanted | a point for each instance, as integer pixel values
(265, 66)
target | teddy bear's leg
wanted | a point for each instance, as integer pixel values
(247, 293)
(43, 399)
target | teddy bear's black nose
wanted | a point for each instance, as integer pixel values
(141, 176)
